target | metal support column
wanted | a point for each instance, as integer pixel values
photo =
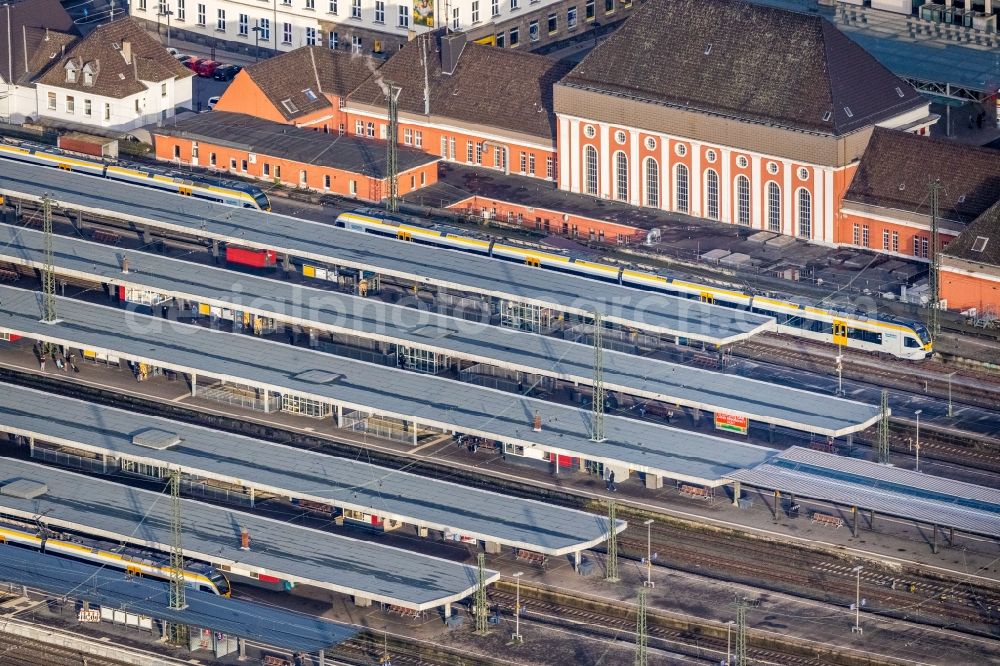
(597, 404)
(482, 610)
(178, 632)
(392, 137)
(194, 385)
(934, 545)
(641, 635)
(882, 452)
(741, 656)
(854, 527)
(737, 491)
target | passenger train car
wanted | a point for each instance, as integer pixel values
(210, 189)
(197, 576)
(878, 333)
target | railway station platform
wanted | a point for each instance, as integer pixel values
(366, 571)
(353, 392)
(85, 435)
(878, 489)
(228, 623)
(153, 279)
(144, 209)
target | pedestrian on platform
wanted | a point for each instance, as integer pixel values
(610, 485)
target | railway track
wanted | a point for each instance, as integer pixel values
(891, 591)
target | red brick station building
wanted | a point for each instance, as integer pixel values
(833, 150)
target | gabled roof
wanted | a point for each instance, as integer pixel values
(898, 167)
(980, 242)
(501, 88)
(24, 49)
(311, 68)
(741, 60)
(296, 144)
(117, 74)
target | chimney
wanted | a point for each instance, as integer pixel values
(124, 264)
(127, 51)
(244, 539)
(451, 50)
(537, 425)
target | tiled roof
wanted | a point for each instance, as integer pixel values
(311, 68)
(297, 144)
(897, 169)
(747, 61)
(980, 242)
(494, 87)
(23, 36)
(102, 50)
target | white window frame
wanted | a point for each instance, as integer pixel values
(591, 171)
(404, 16)
(743, 201)
(711, 194)
(380, 11)
(682, 188)
(773, 194)
(220, 20)
(651, 170)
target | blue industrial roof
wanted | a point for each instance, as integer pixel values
(106, 587)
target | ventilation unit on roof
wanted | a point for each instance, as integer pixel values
(289, 106)
(154, 438)
(847, 110)
(980, 243)
(899, 91)
(827, 116)
(961, 199)
(116, 46)
(121, 76)
(310, 95)
(902, 187)
(708, 50)
(24, 489)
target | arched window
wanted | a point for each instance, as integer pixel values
(590, 170)
(681, 188)
(652, 183)
(805, 213)
(712, 194)
(773, 207)
(743, 201)
(621, 176)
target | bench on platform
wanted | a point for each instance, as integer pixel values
(826, 520)
(401, 611)
(531, 557)
(694, 491)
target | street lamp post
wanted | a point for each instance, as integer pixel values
(729, 636)
(517, 607)
(256, 41)
(167, 12)
(918, 413)
(649, 553)
(950, 375)
(857, 602)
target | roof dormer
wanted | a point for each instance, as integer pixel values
(71, 70)
(90, 70)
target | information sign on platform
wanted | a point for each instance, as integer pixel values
(731, 423)
(89, 615)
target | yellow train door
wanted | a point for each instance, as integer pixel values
(707, 297)
(839, 332)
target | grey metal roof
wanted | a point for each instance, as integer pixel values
(291, 472)
(525, 352)
(212, 534)
(884, 489)
(269, 625)
(319, 242)
(433, 401)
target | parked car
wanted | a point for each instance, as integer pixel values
(226, 72)
(193, 63)
(212, 101)
(183, 58)
(207, 67)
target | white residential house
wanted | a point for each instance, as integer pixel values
(32, 34)
(117, 78)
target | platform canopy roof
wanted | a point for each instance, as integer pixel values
(339, 313)
(435, 402)
(882, 488)
(327, 244)
(291, 472)
(99, 508)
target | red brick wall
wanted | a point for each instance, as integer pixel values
(274, 169)
(965, 291)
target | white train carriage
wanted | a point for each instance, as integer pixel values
(887, 334)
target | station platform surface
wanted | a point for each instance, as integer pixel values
(881, 488)
(308, 304)
(324, 243)
(212, 534)
(292, 472)
(109, 589)
(435, 402)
